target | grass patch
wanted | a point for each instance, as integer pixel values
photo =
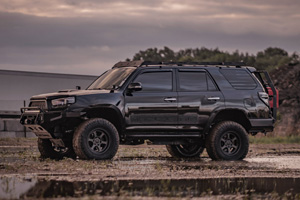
(275, 140)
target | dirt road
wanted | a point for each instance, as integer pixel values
(149, 171)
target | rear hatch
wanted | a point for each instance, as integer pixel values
(265, 80)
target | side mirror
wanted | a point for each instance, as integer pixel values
(135, 86)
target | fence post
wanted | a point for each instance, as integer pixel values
(25, 133)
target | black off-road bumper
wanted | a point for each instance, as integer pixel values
(41, 122)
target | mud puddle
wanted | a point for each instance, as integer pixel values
(13, 187)
(16, 187)
(282, 162)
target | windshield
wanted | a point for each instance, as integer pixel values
(112, 79)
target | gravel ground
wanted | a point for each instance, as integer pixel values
(20, 158)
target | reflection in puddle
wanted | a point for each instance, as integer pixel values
(41, 188)
(13, 187)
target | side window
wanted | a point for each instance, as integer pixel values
(155, 81)
(210, 84)
(195, 81)
(239, 79)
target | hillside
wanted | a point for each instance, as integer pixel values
(287, 80)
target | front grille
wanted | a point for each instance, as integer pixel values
(40, 104)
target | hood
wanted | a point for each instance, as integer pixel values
(69, 92)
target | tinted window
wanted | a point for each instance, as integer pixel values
(155, 81)
(112, 78)
(239, 79)
(210, 84)
(192, 81)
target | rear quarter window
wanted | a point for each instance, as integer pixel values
(239, 79)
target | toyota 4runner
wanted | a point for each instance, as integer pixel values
(186, 106)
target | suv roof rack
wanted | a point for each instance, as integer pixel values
(139, 63)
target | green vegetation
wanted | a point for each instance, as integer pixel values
(275, 140)
(268, 59)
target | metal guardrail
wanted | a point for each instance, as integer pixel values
(10, 114)
(11, 108)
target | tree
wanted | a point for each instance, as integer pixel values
(268, 59)
(272, 58)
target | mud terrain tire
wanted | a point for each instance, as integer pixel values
(96, 139)
(47, 150)
(227, 140)
(185, 151)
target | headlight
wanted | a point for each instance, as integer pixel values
(56, 103)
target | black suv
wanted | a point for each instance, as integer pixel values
(186, 106)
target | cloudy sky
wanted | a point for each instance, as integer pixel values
(88, 37)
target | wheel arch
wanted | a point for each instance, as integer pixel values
(236, 115)
(109, 112)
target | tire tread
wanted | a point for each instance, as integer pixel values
(81, 149)
(211, 142)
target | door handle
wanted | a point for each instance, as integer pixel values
(213, 98)
(170, 99)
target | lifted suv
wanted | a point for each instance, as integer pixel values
(186, 106)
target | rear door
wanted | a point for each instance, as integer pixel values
(198, 97)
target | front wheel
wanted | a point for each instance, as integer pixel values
(228, 140)
(96, 139)
(48, 150)
(185, 151)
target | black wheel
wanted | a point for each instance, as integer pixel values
(47, 150)
(227, 141)
(96, 139)
(185, 151)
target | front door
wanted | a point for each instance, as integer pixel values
(155, 106)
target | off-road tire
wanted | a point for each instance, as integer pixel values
(47, 150)
(96, 139)
(227, 140)
(185, 151)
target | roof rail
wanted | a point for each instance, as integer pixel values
(139, 63)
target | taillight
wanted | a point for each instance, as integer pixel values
(264, 97)
(270, 92)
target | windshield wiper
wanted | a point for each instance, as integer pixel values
(96, 89)
(114, 87)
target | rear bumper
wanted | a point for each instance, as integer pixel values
(262, 125)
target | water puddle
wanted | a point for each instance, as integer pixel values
(16, 187)
(279, 162)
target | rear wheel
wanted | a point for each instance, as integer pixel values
(96, 139)
(48, 150)
(185, 151)
(228, 140)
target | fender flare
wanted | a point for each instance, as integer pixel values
(217, 112)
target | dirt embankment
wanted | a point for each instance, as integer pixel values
(287, 80)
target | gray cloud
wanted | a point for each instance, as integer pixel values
(88, 36)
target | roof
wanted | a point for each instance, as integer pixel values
(139, 63)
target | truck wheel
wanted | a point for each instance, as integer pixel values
(185, 151)
(96, 139)
(47, 150)
(228, 140)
